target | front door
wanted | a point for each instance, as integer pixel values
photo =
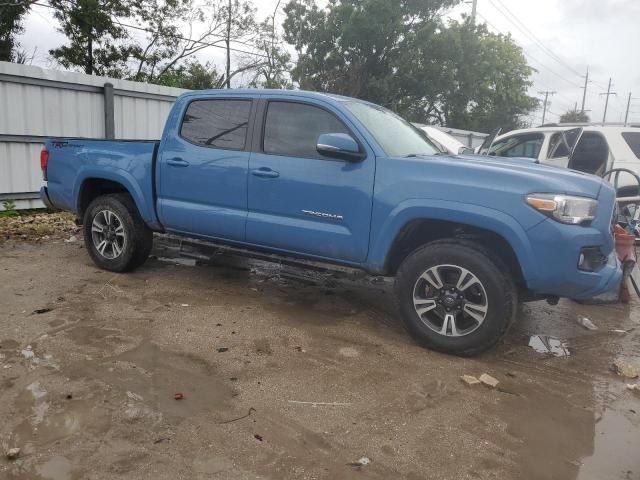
(203, 170)
(301, 201)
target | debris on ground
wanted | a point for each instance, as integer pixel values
(617, 330)
(548, 344)
(488, 380)
(586, 323)
(223, 349)
(37, 226)
(334, 404)
(13, 453)
(39, 311)
(469, 379)
(71, 239)
(251, 410)
(634, 387)
(258, 437)
(626, 369)
(178, 396)
(362, 461)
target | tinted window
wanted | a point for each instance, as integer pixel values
(518, 146)
(293, 129)
(633, 140)
(558, 146)
(217, 123)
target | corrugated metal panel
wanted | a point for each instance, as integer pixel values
(39, 102)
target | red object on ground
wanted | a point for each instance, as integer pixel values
(624, 243)
(178, 396)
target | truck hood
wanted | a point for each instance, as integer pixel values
(528, 172)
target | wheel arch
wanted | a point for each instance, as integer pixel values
(419, 224)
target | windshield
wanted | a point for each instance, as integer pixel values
(397, 137)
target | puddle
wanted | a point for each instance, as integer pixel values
(187, 262)
(548, 344)
(56, 468)
(40, 406)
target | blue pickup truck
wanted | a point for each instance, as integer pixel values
(343, 181)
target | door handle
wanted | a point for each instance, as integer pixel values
(265, 172)
(177, 162)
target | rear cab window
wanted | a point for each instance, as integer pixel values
(633, 140)
(217, 123)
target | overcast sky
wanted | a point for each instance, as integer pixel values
(560, 39)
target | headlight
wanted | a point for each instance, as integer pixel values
(564, 208)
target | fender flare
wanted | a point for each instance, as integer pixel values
(125, 179)
(459, 212)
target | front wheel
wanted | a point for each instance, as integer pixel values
(454, 297)
(115, 235)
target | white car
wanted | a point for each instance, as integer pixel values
(598, 148)
(444, 141)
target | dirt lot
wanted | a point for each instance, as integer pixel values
(288, 374)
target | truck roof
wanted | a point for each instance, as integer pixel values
(274, 91)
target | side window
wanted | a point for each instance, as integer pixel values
(527, 145)
(633, 140)
(292, 129)
(217, 123)
(556, 144)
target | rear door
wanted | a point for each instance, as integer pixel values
(202, 178)
(299, 200)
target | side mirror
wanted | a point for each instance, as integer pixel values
(339, 145)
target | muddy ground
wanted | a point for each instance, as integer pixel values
(288, 373)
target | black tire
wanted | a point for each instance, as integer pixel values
(138, 238)
(495, 285)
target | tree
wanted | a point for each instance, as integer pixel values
(397, 53)
(12, 14)
(273, 72)
(477, 80)
(94, 34)
(574, 116)
(360, 47)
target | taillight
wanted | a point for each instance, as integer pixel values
(44, 161)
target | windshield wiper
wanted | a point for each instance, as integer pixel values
(413, 155)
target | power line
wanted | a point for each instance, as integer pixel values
(531, 57)
(199, 42)
(528, 33)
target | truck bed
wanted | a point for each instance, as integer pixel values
(74, 162)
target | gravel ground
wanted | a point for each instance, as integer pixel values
(288, 373)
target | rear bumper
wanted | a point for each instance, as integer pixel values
(44, 196)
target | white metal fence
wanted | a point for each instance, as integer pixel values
(36, 103)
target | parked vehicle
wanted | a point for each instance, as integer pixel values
(444, 141)
(346, 182)
(598, 148)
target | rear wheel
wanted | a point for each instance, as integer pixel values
(455, 297)
(115, 235)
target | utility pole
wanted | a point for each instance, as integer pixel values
(626, 114)
(228, 41)
(546, 101)
(474, 8)
(606, 102)
(584, 94)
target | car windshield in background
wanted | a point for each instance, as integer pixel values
(397, 137)
(518, 146)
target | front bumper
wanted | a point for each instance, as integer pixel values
(557, 248)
